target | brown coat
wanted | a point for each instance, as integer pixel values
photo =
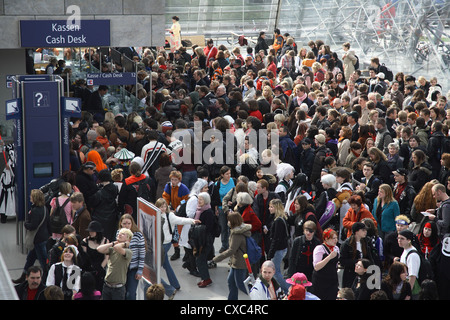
(81, 223)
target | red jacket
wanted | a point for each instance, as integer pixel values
(210, 53)
(257, 114)
(249, 216)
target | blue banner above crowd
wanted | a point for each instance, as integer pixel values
(58, 33)
(111, 79)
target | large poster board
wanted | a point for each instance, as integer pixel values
(149, 222)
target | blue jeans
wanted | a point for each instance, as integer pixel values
(189, 178)
(169, 271)
(39, 252)
(235, 281)
(132, 284)
(225, 233)
(277, 259)
(169, 290)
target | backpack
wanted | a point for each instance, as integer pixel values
(172, 109)
(356, 64)
(254, 251)
(329, 212)
(143, 189)
(181, 212)
(374, 250)
(388, 74)
(209, 101)
(328, 153)
(380, 88)
(58, 219)
(197, 238)
(425, 270)
(446, 145)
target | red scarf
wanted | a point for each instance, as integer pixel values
(325, 236)
(425, 243)
(356, 154)
(331, 248)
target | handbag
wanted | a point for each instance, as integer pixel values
(174, 232)
(31, 234)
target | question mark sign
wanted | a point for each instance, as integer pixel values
(38, 99)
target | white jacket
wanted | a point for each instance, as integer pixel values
(191, 208)
(174, 221)
(260, 291)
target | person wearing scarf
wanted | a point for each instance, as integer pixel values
(325, 261)
(300, 97)
(428, 238)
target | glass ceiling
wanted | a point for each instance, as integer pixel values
(411, 35)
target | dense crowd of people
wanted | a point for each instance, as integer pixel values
(356, 178)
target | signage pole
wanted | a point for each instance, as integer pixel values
(68, 84)
(23, 169)
(151, 87)
(136, 93)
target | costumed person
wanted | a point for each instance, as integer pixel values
(300, 258)
(325, 261)
(440, 261)
(344, 192)
(7, 182)
(428, 238)
(124, 157)
(297, 188)
(285, 174)
(175, 34)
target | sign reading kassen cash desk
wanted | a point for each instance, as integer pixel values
(111, 78)
(58, 33)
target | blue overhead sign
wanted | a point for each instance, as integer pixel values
(111, 78)
(58, 33)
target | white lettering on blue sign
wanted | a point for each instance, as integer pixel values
(56, 27)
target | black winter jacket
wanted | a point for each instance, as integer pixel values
(87, 186)
(22, 291)
(318, 163)
(105, 209)
(32, 221)
(278, 236)
(348, 259)
(419, 175)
